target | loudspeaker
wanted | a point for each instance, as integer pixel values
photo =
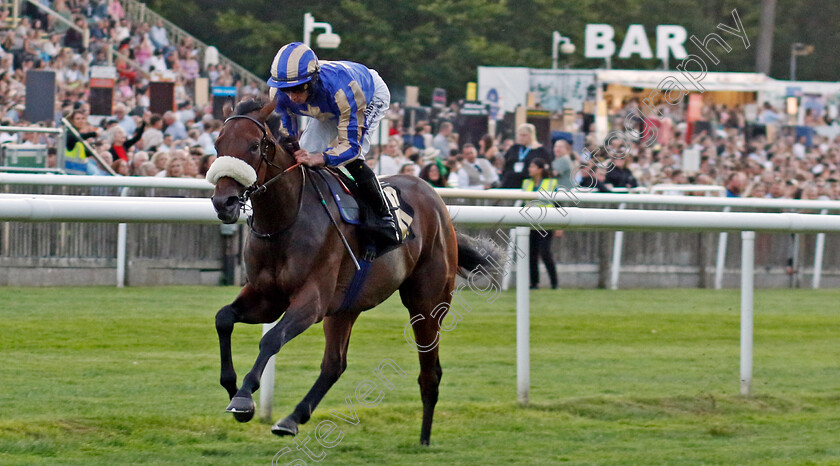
(161, 97)
(40, 96)
(101, 101)
(470, 128)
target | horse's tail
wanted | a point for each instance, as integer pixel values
(475, 252)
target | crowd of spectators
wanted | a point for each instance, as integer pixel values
(727, 151)
(179, 143)
(134, 141)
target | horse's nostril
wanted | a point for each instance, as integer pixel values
(225, 203)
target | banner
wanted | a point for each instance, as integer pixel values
(560, 89)
(507, 85)
(504, 88)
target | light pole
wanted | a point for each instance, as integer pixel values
(798, 49)
(567, 48)
(325, 40)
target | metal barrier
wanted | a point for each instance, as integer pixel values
(689, 188)
(60, 145)
(35, 129)
(578, 197)
(573, 197)
(564, 198)
(123, 210)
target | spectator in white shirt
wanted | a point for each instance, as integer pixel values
(386, 165)
(158, 36)
(174, 127)
(157, 62)
(125, 120)
(768, 114)
(476, 173)
(441, 140)
(799, 148)
(153, 136)
(207, 140)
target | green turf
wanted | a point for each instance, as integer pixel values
(107, 376)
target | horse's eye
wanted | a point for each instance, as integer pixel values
(255, 148)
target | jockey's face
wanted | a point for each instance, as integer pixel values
(298, 97)
(299, 94)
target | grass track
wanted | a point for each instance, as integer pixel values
(107, 376)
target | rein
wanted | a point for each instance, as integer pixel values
(273, 236)
(265, 143)
(256, 190)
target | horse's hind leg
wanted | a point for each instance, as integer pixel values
(421, 299)
(337, 333)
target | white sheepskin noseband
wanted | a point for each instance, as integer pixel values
(234, 168)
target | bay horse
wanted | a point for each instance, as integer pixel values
(298, 268)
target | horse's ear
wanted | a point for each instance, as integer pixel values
(227, 110)
(266, 110)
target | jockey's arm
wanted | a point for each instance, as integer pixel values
(348, 143)
(288, 120)
(350, 135)
(310, 159)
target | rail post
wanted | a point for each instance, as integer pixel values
(747, 285)
(267, 383)
(523, 317)
(618, 246)
(721, 256)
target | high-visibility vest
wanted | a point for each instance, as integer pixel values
(75, 160)
(546, 184)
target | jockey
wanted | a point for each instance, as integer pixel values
(345, 101)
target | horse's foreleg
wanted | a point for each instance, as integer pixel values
(225, 319)
(337, 333)
(250, 307)
(293, 323)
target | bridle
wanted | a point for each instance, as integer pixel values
(265, 145)
(256, 189)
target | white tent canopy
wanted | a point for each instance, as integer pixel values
(743, 82)
(511, 85)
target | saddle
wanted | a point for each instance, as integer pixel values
(355, 212)
(343, 190)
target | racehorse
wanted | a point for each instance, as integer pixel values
(298, 267)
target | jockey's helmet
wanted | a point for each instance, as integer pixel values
(294, 64)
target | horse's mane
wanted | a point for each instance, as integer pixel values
(253, 105)
(245, 107)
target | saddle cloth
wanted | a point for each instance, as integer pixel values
(351, 212)
(349, 207)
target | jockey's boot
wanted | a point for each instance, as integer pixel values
(371, 193)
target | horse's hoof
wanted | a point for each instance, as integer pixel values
(243, 417)
(285, 427)
(242, 408)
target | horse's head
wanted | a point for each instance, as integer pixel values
(246, 148)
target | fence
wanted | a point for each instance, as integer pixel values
(40, 164)
(71, 253)
(85, 209)
(64, 253)
(775, 253)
